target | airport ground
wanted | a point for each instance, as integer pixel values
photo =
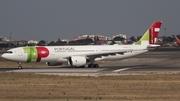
(153, 76)
(33, 87)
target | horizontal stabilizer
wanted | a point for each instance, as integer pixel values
(152, 46)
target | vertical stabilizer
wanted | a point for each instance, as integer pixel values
(177, 40)
(151, 34)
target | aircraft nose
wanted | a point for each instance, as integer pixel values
(7, 56)
(3, 56)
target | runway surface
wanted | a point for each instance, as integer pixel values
(162, 60)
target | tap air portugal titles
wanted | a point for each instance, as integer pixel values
(79, 56)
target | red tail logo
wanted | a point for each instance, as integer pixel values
(177, 40)
(154, 31)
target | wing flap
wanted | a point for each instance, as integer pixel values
(105, 54)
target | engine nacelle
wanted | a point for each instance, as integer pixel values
(54, 63)
(77, 61)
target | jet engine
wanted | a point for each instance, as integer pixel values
(77, 61)
(54, 63)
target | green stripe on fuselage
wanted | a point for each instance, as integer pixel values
(31, 53)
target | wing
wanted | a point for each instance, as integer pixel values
(100, 55)
(92, 56)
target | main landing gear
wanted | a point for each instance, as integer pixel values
(19, 65)
(93, 66)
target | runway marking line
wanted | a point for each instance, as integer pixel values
(123, 69)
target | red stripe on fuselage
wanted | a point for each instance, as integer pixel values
(42, 53)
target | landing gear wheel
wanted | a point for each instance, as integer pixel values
(19, 67)
(90, 65)
(93, 66)
(96, 65)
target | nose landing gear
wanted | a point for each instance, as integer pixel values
(19, 65)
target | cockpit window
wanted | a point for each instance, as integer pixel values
(10, 52)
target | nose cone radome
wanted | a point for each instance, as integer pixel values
(14, 57)
(3, 55)
(8, 56)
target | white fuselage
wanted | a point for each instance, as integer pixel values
(60, 56)
(61, 53)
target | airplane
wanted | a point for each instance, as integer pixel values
(177, 40)
(80, 56)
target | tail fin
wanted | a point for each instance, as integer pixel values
(177, 40)
(151, 34)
